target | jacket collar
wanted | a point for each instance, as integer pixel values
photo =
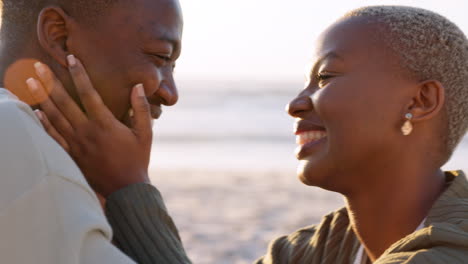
(447, 221)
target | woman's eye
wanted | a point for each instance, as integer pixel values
(322, 77)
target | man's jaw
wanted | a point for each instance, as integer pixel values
(154, 110)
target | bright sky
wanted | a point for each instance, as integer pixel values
(269, 39)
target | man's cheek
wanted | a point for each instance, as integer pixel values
(151, 82)
(118, 102)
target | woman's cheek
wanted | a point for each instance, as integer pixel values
(323, 103)
(317, 99)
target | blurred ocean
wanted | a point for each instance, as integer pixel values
(242, 125)
(227, 125)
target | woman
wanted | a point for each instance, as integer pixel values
(383, 109)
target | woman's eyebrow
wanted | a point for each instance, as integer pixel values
(328, 55)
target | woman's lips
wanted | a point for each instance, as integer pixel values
(309, 136)
(308, 141)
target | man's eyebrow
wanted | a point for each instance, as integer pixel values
(173, 41)
(160, 35)
(171, 38)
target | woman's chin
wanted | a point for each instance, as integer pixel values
(313, 174)
(306, 174)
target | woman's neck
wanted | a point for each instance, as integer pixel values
(383, 214)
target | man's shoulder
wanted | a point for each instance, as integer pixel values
(27, 154)
(22, 166)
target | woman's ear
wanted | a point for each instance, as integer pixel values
(52, 31)
(428, 101)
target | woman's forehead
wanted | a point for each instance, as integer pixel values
(352, 39)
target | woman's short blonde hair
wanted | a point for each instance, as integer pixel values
(430, 47)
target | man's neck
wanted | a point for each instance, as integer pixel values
(4, 63)
(386, 213)
(14, 60)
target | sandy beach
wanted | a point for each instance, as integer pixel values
(230, 216)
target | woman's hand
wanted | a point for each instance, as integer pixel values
(109, 154)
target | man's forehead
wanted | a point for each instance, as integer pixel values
(151, 20)
(155, 3)
(160, 31)
(150, 10)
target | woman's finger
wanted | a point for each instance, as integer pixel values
(57, 120)
(90, 98)
(52, 131)
(102, 201)
(59, 96)
(141, 114)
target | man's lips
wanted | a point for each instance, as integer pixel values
(155, 111)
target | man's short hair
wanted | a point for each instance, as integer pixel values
(430, 47)
(19, 17)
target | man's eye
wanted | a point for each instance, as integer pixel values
(161, 59)
(164, 58)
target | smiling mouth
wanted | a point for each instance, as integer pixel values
(307, 137)
(309, 142)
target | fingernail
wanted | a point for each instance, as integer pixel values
(31, 82)
(140, 90)
(130, 112)
(71, 60)
(40, 69)
(38, 114)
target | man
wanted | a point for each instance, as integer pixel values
(48, 212)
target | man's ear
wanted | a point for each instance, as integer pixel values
(428, 101)
(52, 31)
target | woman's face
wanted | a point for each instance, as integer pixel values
(349, 115)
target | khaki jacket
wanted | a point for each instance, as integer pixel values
(443, 240)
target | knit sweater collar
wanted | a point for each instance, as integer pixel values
(447, 222)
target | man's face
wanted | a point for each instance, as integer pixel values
(132, 43)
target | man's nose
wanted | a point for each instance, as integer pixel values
(167, 92)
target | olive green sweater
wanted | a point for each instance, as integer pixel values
(144, 230)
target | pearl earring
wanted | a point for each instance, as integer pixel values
(407, 126)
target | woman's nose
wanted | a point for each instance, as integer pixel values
(300, 105)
